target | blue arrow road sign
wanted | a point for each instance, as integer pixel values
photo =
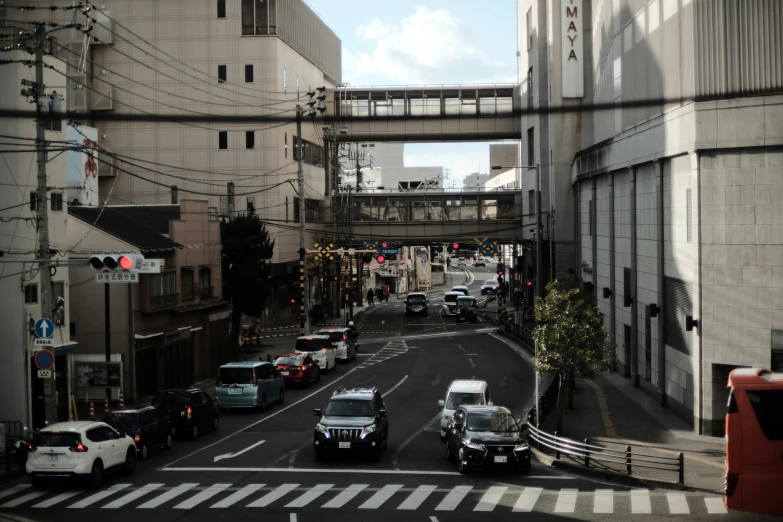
(44, 328)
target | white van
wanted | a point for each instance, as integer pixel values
(461, 393)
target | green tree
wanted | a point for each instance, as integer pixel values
(570, 336)
(247, 250)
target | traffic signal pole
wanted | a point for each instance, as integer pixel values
(107, 327)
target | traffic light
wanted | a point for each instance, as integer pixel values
(293, 300)
(530, 284)
(439, 249)
(116, 262)
(455, 246)
(381, 259)
(385, 245)
(366, 258)
(501, 269)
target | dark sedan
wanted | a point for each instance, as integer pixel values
(190, 411)
(149, 430)
(486, 438)
(297, 368)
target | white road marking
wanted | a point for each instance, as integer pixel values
(92, 499)
(566, 501)
(527, 500)
(237, 496)
(433, 519)
(407, 441)
(238, 453)
(678, 504)
(603, 501)
(346, 495)
(471, 362)
(14, 490)
(375, 501)
(715, 506)
(368, 471)
(270, 497)
(169, 495)
(292, 517)
(202, 496)
(309, 496)
(640, 501)
(416, 498)
(490, 498)
(21, 500)
(452, 500)
(133, 495)
(395, 387)
(57, 499)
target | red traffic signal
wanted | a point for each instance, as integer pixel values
(125, 262)
(380, 259)
(455, 246)
(530, 283)
(500, 272)
(293, 300)
(384, 244)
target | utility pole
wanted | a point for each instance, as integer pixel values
(303, 321)
(539, 239)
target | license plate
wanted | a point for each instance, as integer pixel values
(344, 445)
(53, 458)
(284, 373)
(235, 391)
(501, 459)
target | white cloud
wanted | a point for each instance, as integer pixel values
(429, 46)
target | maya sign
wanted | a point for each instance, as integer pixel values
(573, 48)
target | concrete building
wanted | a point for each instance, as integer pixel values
(475, 181)
(679, 215)
(502, 155)
(388, 159)
(20, 387)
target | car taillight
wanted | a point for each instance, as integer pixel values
(31, 448)
(79, 448)
(137, 438)
(730, 483)
(190, 412)
(324, 350)
(345, 337)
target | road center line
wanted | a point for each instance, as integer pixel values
(395, 387)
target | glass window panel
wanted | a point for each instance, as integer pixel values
(504, 105)
(419, 210)
(487, 105)
(435, 209)
(489, 209)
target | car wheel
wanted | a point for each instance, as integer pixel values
(461, 462)
(215, 423)
(282, 395)
(130, 461)
(194, 432)
(169, 442)
(96, 475)
(318, 376)
(143, 452)
(449, 456)
(263, 403)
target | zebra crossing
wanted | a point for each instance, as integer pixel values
(397, 497)
(392, 349)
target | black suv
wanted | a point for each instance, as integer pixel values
(353, 420)
(190, 411)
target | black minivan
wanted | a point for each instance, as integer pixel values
(145, 426)
(190, 411)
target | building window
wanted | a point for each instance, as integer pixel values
(679, 304)
(249, 73)
(530, 84)
(223, 140)
(58, 291)
(529, 23)
(31, 294)
(689, 214)
(163, 289)
(312, 154)
(250, 139)
(221, 8)
(285, 145)
(531, 146)
(251, 206)
(33, 201)
(205, 282)
(222, 74)
(258, 17)
(57, 201)
(186, 283)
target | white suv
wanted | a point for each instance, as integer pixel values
(461, 393)
(79, 449)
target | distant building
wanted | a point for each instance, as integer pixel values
(475, 181)
(383, 165)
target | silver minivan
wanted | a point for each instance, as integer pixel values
(248, 384)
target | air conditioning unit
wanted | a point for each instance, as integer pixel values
(102, 31)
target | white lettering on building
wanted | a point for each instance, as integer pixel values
(573, 49)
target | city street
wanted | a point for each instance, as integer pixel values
(266, 460)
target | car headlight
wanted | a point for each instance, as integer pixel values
(475, 446)
(367, 430)
(522, 446)
(322, 429)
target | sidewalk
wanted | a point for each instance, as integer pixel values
(610, 412)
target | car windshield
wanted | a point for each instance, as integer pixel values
(235, 376)
(457, 399)
(466, 303)
(451, 298)
(489, 283)
(462, 291)
(497, 422)
(335, 337)
(416, 299)
(309, 345)
(172, 400)
(123, 422)
(289, 361)
(50, 439)
(348, 408)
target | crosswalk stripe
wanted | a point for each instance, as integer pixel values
(490, 498)
(640, 501)
(678, 504)
(92, 499)
(24, 498)
(133, 495)
(202, 496)
(715, 505)
(375, 501)
(416, 498)
(238, 495)
(603, 501)
(527, 500)
(309, 496)
(346, 495)
(453, 499)
(566, 500)
(57, 499)
(14, 490)
(165, 497)
(276, 494)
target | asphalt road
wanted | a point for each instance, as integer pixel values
(264, 463)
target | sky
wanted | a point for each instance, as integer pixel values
(411, 42)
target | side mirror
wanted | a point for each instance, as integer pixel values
(317, 412)
(441, 403)
(383, 412)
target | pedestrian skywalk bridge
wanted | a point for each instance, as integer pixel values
(388, 497)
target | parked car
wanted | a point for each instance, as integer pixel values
(467, 308)
(416, 304)
(460, 288)
(79, 449)
(343, 340)
(354, 420)
(248, 384)
(190, 411)
(450, 303)
(297, 368)
(486, 438)
(480, 262)
(148, 429)
(459, 393)
(490, 286)
(320, 348)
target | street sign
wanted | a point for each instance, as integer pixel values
(44, 360)
(390, 251)
(43, 342)
(112, 277)
(351, 251)
(44, 328)
(152, 266)
(340, 251)
(45, 374)
(423, 261)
